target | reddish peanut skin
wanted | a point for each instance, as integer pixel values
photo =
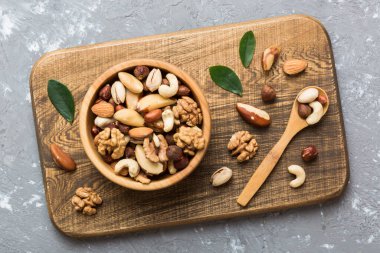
(119, 107)
(61, 158)
(252, 118)
(153, 116)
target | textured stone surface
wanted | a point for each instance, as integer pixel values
(30, 28)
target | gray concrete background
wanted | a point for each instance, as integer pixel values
(30, 28)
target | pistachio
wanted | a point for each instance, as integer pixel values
(221, 176)
(118, 92)
(154, 80)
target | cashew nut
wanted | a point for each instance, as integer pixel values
(124, 166)
(154, 80)
(299, 172)
(170, 90)
(168, 119)
(317, 113)
(103, 122)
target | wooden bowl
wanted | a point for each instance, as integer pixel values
(86, 121)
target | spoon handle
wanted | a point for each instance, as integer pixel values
(265, 168)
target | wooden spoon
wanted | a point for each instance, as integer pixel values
(295, 125)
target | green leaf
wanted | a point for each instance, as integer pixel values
(247, 48)
(226, 79)
(62, 99)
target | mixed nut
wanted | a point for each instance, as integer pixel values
(310, 105)
(147, 123)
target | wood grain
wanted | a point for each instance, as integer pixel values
(193, 199)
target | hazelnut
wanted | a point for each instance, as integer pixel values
(108, 159)
(322, 99)
(112, 125)
(183, 90)
(268, 94)
(309, 153)
(119, 107)
(165, 81)
(170, 139)
(181, 163)
(129, 152)
(105, 92)
(304, 110)
(124, 129)
(174, 153)
(141, 72)
(95, 130)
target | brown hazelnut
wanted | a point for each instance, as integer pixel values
(141, 72)
(181, 163)
(309, 153)
(174, 153)
(129, 152)
(268, 93)
(112, 125)
(165, 81)
(304, 110)
(108, 159)
(95, 130)
(119, 107)
(105, 92)
(170, 139)
(183, 90)
(124, 129)
(322, 99)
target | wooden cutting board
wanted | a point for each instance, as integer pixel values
(194, 199)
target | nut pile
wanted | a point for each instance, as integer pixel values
(85, 200)
(311, 105)
(147, 123)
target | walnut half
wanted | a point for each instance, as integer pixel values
(190, 139)
(244, 145)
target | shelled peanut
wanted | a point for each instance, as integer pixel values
(146, 124)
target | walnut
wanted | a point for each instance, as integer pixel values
(111, 141)
(244, 144)
(189, 139)
(163, 147)
(187, 111)
(85, 200)
(150, 150)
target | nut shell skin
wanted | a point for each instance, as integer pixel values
(61, 158)
(309, 153)
(253, 115)
(153, 116)
(181, 163)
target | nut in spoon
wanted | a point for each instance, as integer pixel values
(295, 125)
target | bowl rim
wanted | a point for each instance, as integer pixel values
(87, 139)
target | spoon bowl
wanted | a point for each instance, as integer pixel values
(294, 126)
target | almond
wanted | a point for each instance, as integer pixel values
(140, 133)
(61, 158)
(253, 115)
(294, 66)
(269, 57)
(103, 109)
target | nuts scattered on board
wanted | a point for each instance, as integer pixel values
(147, 125)
(269, 57)
(253, 115)
(268, 93)
(304, 110)
(309, 153)
(86, 200)
(221, 176)
(300, 174)
(244, 145)
(61, 158)
(294, 66)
